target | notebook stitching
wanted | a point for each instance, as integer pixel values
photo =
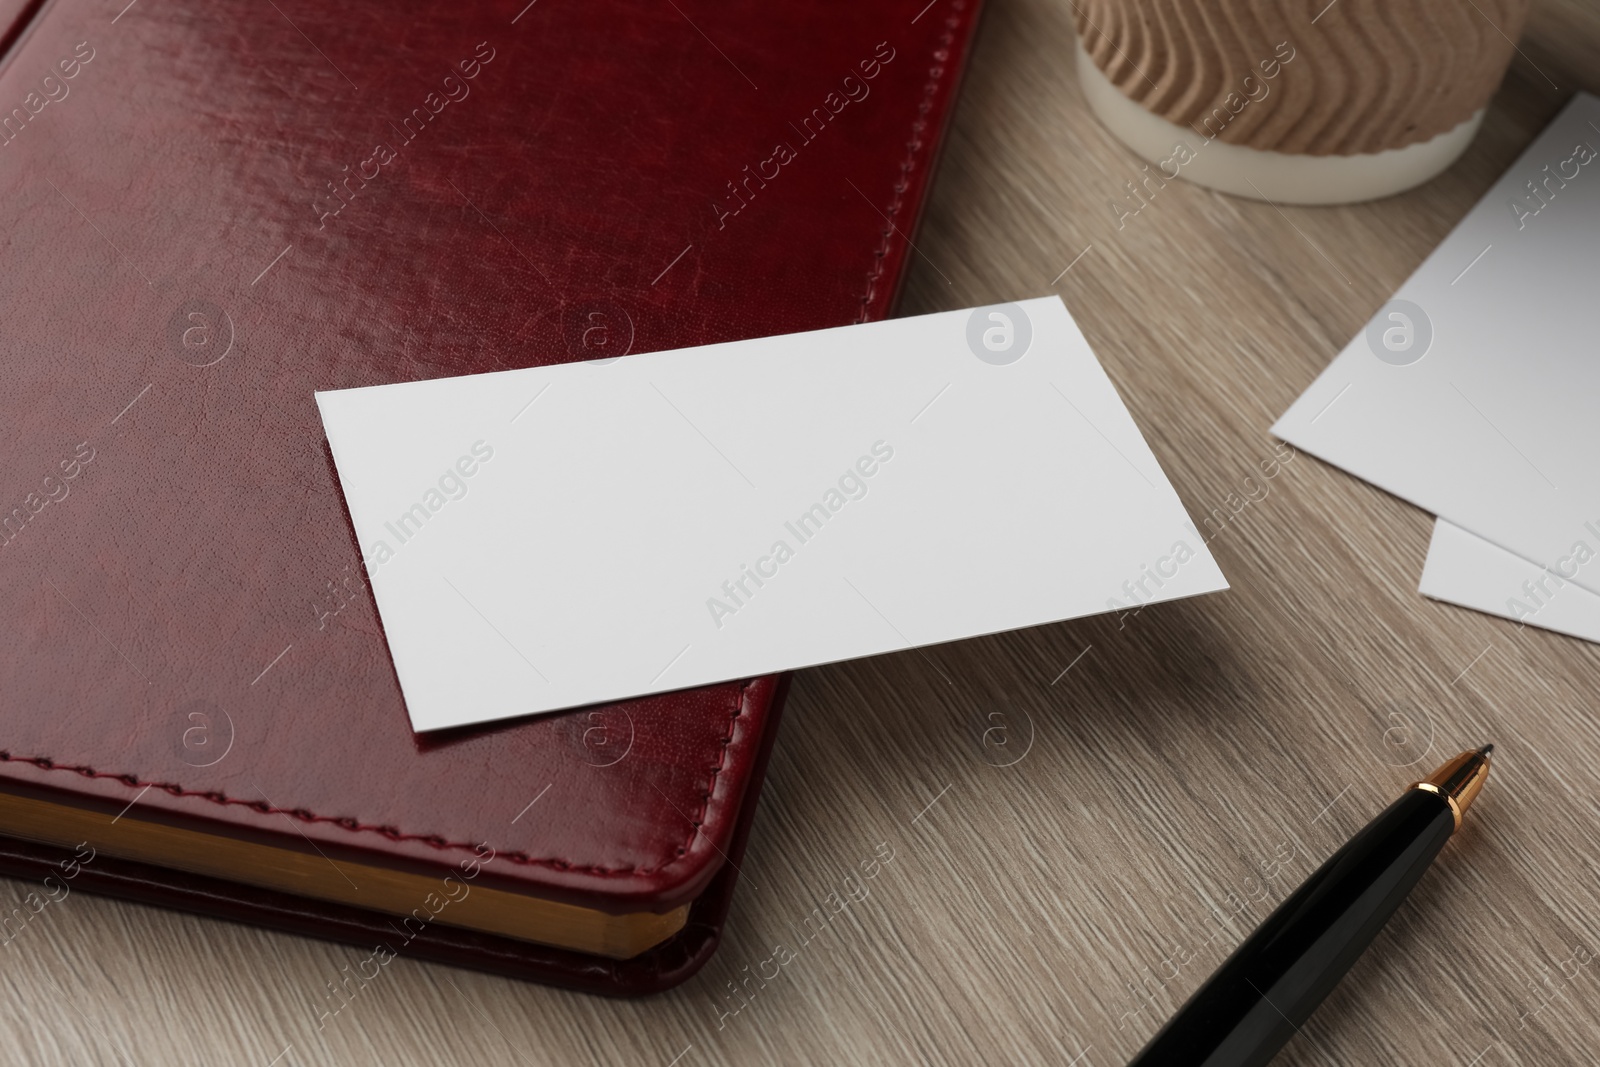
(915, 145)
(432, 840)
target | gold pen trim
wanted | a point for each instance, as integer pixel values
(1459, 781)
(1455, 809)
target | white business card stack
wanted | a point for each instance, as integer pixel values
(558, 536)
(1475, 392)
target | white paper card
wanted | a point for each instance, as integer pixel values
(1475, 392)
(1466, 570)
(558, 536)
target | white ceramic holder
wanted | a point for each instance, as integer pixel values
(1279, 177)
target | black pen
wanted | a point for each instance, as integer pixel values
(1269, 987)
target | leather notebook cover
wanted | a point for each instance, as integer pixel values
(212, 211)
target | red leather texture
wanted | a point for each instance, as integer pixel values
(662, 967)
(211, 211)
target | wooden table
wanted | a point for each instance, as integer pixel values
(1074, 824)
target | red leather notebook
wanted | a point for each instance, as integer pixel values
(211, 211)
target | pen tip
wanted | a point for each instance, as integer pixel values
(1485, 750)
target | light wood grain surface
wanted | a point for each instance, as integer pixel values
(1083, 819)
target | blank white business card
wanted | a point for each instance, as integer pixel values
(1473, 393)
(1468, 571)
(559, 536)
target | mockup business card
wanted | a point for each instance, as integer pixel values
(1464, 569)
(553, 537)
(1472, 393)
